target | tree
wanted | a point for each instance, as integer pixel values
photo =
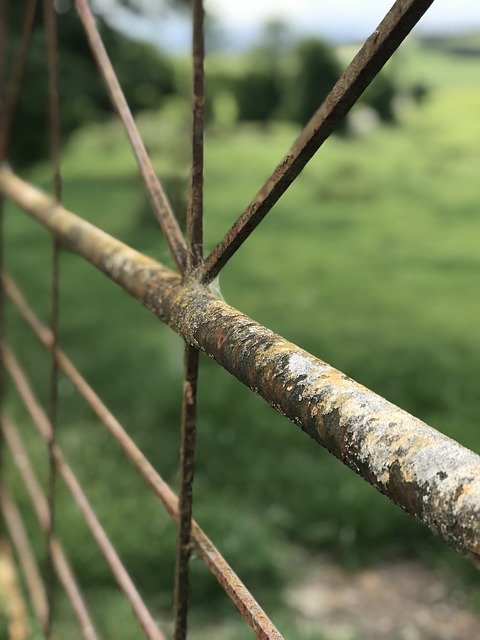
(317, 72)
(146, 76)
(380, 97)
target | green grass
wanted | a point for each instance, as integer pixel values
(370, 262)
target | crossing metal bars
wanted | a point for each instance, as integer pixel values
(427, 474)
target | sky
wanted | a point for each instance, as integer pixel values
(337, 20)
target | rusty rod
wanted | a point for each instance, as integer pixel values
(231, 583)
(44, 427)
(40, 506)
(51, 36)
(158, 198)
(26, 557)
(188, 429)
(376, 51)
(423, 471)
(187, 468)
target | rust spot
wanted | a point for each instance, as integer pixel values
(404, 492)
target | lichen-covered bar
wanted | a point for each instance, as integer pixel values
(429, 475)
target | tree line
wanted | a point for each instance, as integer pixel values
(278, 79)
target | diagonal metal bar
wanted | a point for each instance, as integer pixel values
(233, 586)
(50, 21)
(26, 557)
(13, 93)
(376, 51)
(427, 474)
(191, 357)
(42, 423)
(40, 505)
(161, 206)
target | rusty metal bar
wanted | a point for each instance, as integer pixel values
(190, 379)
(231, 583)
(18, 72)
(195, 205)
(44, 427)
(26, 557)
(40, 506)
(376, 51)
(160, 204)
(423, 471)
(187, 468)
(51, 36)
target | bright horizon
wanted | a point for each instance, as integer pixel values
(342, 20)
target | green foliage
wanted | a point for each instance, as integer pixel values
(372, 273)
(317, 72)
(258, 93)
(380, 97)
(146, 76)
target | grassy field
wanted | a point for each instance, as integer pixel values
(370, 262)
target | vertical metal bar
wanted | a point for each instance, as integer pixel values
(187, 467)
(195, 205)
(194, 261)
(50, 20)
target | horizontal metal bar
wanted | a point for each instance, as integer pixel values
(26, 557)
(44, 427)
(233, 586)
(423, 471)
(40, 506)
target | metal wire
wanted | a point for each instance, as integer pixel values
(334, 410)
(23, 549)
(191, 357)
(316, 400)
(376, 51)
(161, 206)
(233, 586)
(50, 21)
(42, 423)
(40, 506)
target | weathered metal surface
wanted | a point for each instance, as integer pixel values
(426, 473)
(233, 586)
(40, 507)
(187, 468)
(42, 423)
(188, 429)
(376, 51)
(23, 549)
(158, 198)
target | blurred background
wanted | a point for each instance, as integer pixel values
(370, 262)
